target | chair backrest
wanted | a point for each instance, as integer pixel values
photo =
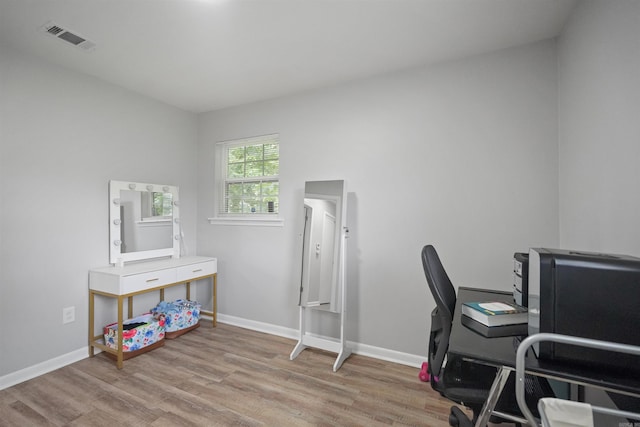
(441, 318)
(441, 287)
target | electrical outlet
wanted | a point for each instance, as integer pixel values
(68, 314)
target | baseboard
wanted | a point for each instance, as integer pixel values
(82, 353)
(43, 368)
(357, 348)
(267, 328)
(388, 355)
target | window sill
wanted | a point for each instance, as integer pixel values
(260, 221)
(153, 222)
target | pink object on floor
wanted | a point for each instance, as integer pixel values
(424, 373)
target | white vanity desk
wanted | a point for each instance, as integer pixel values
(138, 278)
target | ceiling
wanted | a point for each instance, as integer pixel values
(203, 55)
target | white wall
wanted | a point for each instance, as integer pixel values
(462, 155)
(599, 135)
(63, 136)
(599, 127)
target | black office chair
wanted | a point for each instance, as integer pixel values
(471, 388)
(463, 382)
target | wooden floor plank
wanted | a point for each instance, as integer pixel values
(226, 376)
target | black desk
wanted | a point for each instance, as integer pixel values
(501, 353)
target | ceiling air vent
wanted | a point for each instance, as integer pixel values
(67, 36)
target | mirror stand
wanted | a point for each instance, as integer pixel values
(339, 346)
(322, 276)
(334, 346)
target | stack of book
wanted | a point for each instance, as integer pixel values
(495, 318)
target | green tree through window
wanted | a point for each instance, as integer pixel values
(162, 204)
(251, 183)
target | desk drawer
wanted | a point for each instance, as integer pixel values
(142, 281)
(200, 269)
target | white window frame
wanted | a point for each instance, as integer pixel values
(224, 218)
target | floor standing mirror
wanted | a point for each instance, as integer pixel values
(323, 272)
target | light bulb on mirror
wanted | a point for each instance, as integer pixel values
(116, 202)
(176, 220)
(149, 187)
(132, 186)
(117, 221)
(117, 242)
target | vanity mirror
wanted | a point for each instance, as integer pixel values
(322, 281)
(144, 221)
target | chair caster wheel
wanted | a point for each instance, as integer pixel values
(457, 418)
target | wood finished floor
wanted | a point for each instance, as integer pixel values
(225, 376)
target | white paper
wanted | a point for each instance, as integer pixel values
(565, 413)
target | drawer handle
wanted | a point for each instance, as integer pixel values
(153, 280)
(195, 271)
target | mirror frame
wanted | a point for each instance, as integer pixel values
(117, 257)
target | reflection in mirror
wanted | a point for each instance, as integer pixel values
(321, 281)
(144, 225)
(156, 205)
(143, 220)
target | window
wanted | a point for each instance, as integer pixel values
(249, 182)
(156, 206)
(162, 204)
